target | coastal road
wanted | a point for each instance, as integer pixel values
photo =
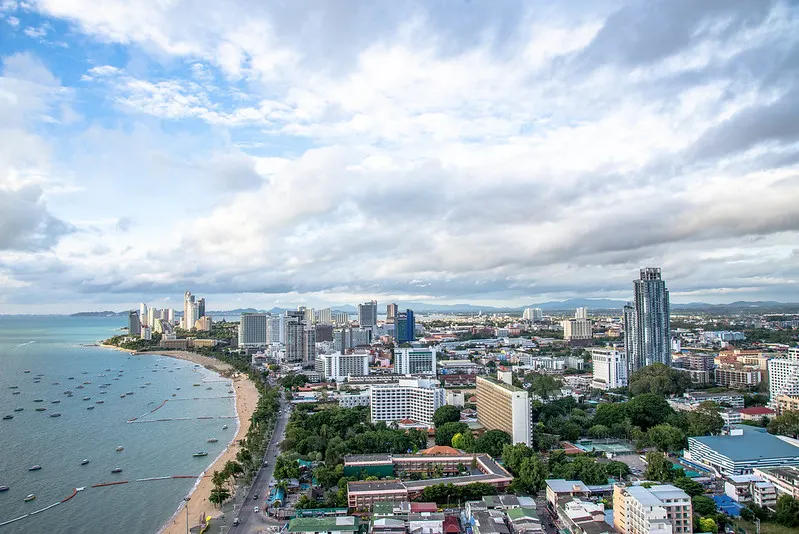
(249, 521)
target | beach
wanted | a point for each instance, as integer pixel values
(246, 401)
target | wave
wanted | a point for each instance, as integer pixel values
(28, 343)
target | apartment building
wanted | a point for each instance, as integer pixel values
(783, 376)
(664, 509)
(414, 399)
(738, 376)
(784, 403)
(503, 406)
(785, 479)
(339, 367)
(415, 361)
(610, 368)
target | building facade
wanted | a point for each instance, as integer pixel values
(414, 399)
(404, 327)
(413, 361)
(661, 508)
(505, 407)
(391, 312)
(295, 344)
(339, 367)
(646, 325)
(576, 329)
(253, 330)
(367, 314)
(134, 323)
(610, 368)
(783, 376)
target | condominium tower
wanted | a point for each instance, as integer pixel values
(414, 399)
(647, 334)
(253, 330)
(609, 368)
(404, 327)
(413, 361)
(367, 313)
(503, 406)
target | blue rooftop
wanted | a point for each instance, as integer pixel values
(754, 444)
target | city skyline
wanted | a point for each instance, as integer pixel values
(486, 154)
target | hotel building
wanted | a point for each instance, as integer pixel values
(503, 406)
(414, 399)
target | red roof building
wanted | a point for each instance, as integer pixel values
(420, 507)
(451, 525)
(756, 413)
(441, 449)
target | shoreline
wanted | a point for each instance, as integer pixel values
(246, 398)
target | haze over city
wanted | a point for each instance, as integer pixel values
(324, 153)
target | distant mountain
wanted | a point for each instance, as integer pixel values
(99, 314)
(237, 311)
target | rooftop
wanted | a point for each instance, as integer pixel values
(367, 486)
(324, 524)
(441, 449)
(757, 410)
(559, 485)
(359, 458)
(753, 444)
(503, 385)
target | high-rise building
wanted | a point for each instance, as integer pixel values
(413, 361)
(294, 344)
(581, 313)
(391, 312)
(338, 366)
(577, 329)
(152, 315)
(660, 508)
(146, 333)
(190, 311)
(609, 367)
(170, 315)
(324, 316)
(309, 314)
(253, 330)
(404, 327)
(134, 323)
(324, 332)
(783, 377)
(204, 323)
(414, 399)
(201, 308)
(274, 327)
(646, 324)
(533, 314)
(503, 406)
(341, 318)
(367, 314)
(143, 313)
(308, 344)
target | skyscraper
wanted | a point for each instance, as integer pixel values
(253, 330)
(324, 316)
(391, 312)
(143, 313)
(367, 313)
(647, 334)
(201, 308)
(300, 338)
(134, 324)
(581, 313)
(404, 327)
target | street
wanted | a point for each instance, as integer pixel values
(249, 521)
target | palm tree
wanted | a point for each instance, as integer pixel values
(219, 495)
(219, 478)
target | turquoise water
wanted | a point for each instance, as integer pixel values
(51, 347)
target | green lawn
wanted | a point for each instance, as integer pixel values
(765, 528)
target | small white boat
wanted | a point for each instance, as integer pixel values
(120, 448)
(29, 498)
(34, 468)
(4, 488)
(212, 440)
(116, 470)
(224, 427)
(85, 461)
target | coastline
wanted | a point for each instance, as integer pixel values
(246, 399)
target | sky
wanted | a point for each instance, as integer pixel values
(326, 152)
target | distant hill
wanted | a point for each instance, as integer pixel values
(99, 314)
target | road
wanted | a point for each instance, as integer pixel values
(249, 521)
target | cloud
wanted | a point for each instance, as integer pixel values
(25, 223)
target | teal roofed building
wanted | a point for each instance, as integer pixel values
(741, 451)
(327, 525)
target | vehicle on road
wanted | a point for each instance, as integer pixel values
(255, 497)
(235, 521)
(256, 509)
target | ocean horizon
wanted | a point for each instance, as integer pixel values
(160, 410)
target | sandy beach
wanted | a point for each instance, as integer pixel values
(246, 401)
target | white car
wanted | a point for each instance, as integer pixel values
(256, 509)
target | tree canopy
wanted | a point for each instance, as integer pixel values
(786, 424)
(447, 431)
(659, 379)
(446, 414)
(492, 442)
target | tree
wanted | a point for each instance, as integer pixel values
(786, 424)
(464, 441)
(617, 469)
(599, 431)
(648, 410)
(580, 468)
(543, 385)
(492, 442)
(447, 431)
(704, 420)
(787, 511)
(659, 379)
(219, 478)
(611, 414)
(689, 486)
(703, 505)
(531, 476)
(706, 524)
(446, 414)
(658, 467)
(514, 455)
(219, 495)
(666, 438)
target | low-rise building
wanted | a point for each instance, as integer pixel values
(742, 450)
(560, 490)
(352, 400)
(756, 413)
(327, 525)
(785, 479)
(662, 508)
(583, 517)
(784, 403)
(751, 488)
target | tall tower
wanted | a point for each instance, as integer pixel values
(367, 314)
(646, 323)
(391, 312)
(201, 308)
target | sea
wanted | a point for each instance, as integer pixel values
(116, 400)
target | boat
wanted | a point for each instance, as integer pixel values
(122, 396)
(129, 393)
(200, 454)
(55, 415)
(87, 382)
(71, 378)
(108, 369)
(78, 387)
(212, 440)
(29, 498)
(4, 488)
(99, 402)
(38, 400)
(116, 379)
(16, 393)
(147, 383)
(13, 387)
(90, 407)
(103, 392)
(55, 402)
(26, 371)
(177, 389)
(18, 409)
(174, 395)
(68, 392)
(40, 374)
(34, 468)
(208, 389)
(120, 448)
(85, 461)
(224, 427)
(116, 470)
(87, 398)
(55, 383)
(40, 409)
(196, 385)
(7, 417)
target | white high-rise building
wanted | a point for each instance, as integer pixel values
(146, 333)
(274, 328)
(414, 399)
(577, 329)
(783, 376)
(170, 315)
(581, 313)
(338, 366)
(610, 368)
(253, 330)
(325, 316)
(413, 361)
(503, 406)
(143, 314)
(152, 316)
(341, 318)
(533, 314)
(647, 332)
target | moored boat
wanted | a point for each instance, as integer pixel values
(40, 409)
(90, 407)
(224, 427)
(34, 468)
(200, 454)
(120, 448)
(116, 470)
(7, 417)
(4, 488)
(85, 461)
(38, 400)
(18, 409)
(212, 440)
(29, 498)
(55, 415)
